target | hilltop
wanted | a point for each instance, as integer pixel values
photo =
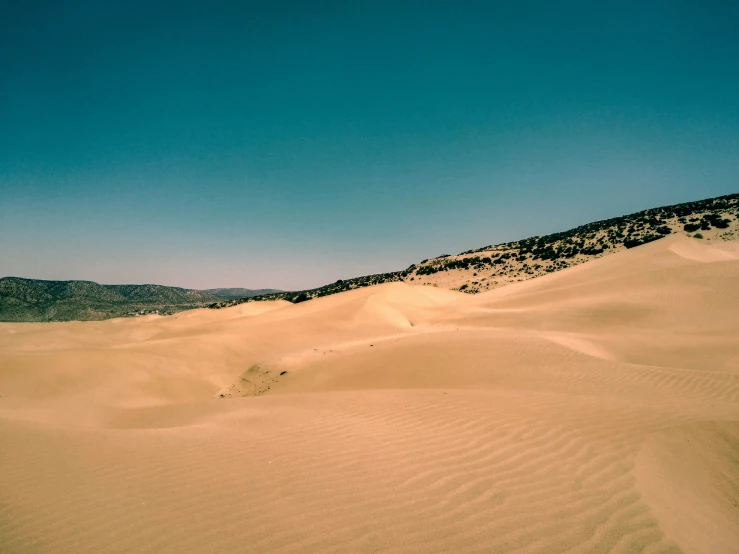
(490, 267)
(37, 300)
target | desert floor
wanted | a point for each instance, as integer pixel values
(591, 410)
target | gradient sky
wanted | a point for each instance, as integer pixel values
(290, 144)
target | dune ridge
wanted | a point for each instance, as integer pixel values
(595, 409)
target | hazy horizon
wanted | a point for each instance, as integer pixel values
(289, 145)
(253, 288)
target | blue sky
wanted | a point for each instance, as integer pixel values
(290, 144)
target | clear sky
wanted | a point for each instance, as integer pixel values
(290, 144)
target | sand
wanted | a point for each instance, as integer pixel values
(591, 410)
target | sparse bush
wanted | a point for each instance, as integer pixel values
(427, 270)
(697, 236)
(713, 218)
(302, 297)
(633, 242)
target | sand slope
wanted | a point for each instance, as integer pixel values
(591, 410)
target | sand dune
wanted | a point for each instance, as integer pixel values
(591, 410)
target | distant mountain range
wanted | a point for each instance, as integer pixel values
(472, 271)
(36, 300)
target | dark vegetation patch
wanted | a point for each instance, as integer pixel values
(632, 242)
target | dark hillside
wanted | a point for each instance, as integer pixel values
(37, 300)
(496, 265)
